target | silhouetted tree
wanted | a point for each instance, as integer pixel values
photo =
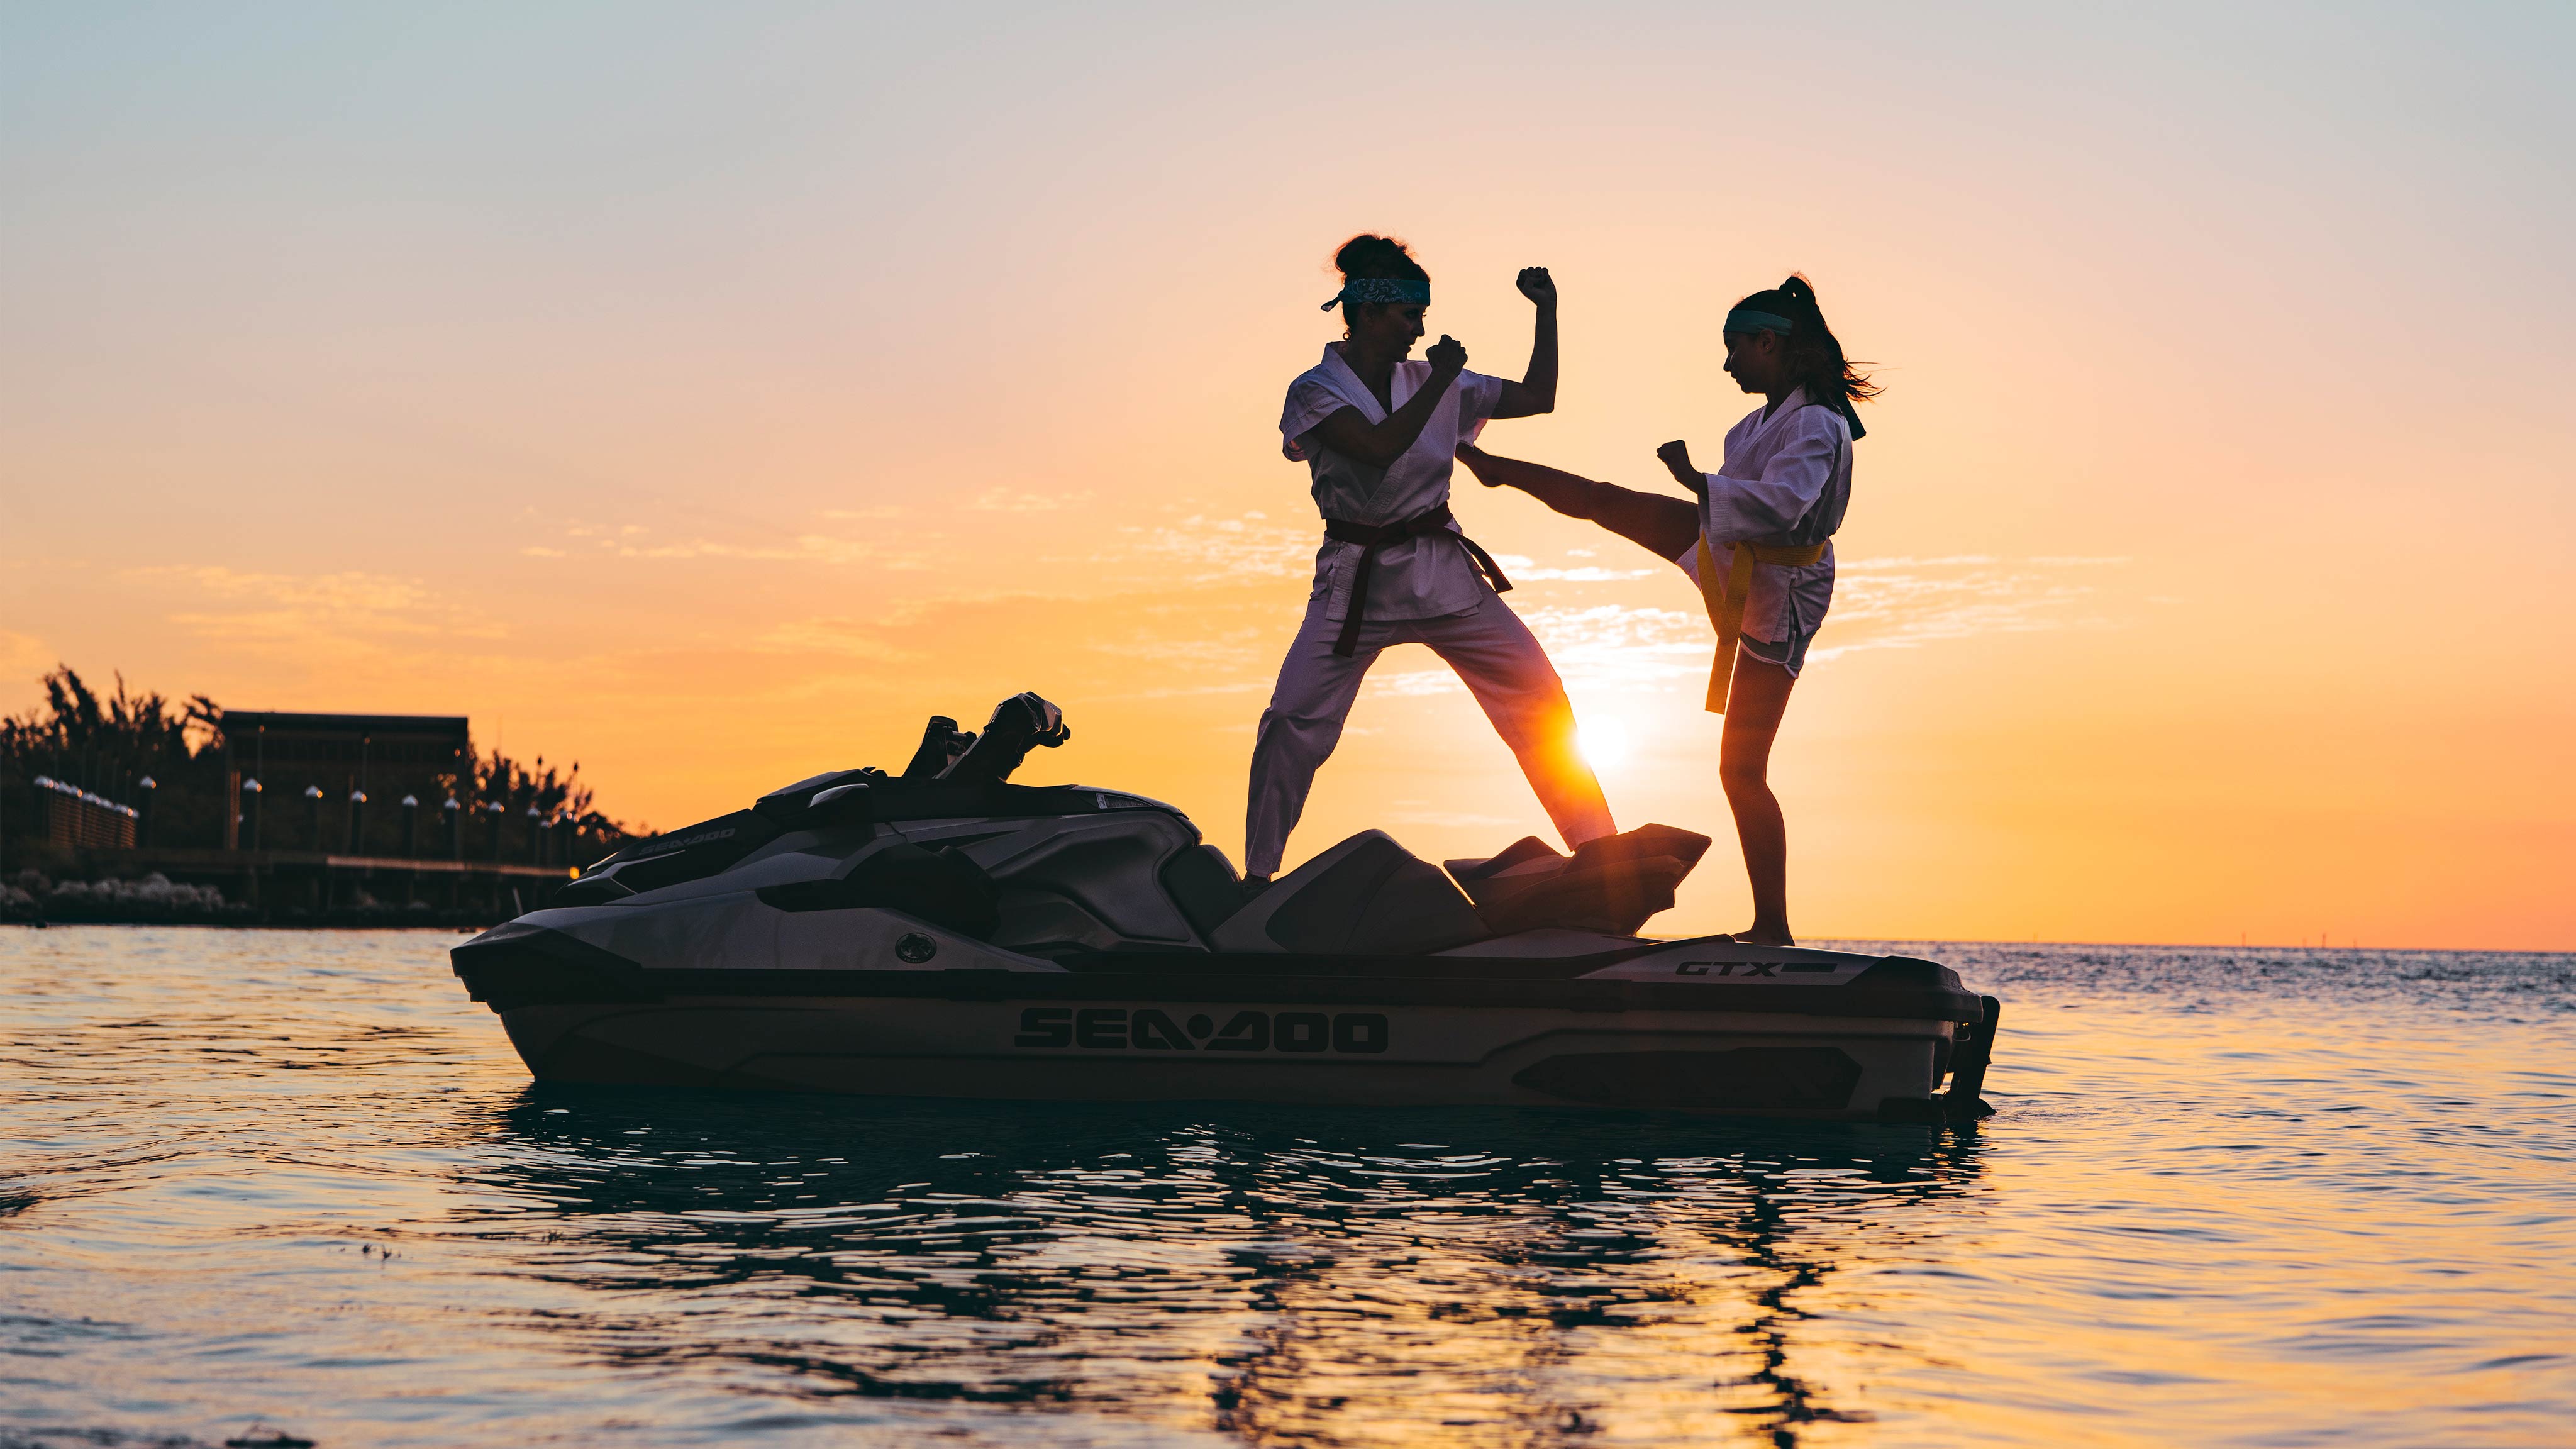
(108, 745)
(496, 778)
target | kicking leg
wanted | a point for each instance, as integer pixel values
(1298, 732)
(1755, 702)
(1662, 525)
(1509, 674)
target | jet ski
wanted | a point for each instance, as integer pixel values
(944, 932)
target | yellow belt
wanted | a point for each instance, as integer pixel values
(1726, 610)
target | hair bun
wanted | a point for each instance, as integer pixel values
(1381, 257)
(1797, 290)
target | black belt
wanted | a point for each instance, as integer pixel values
(1373, 536)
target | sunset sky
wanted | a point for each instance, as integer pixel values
(708, 394)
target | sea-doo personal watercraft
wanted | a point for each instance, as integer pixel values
(943, 932)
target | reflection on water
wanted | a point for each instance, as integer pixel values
(1259, 1273)
(2229, 1198)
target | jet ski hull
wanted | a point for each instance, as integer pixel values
(1718, 1062)
(1684, 1026)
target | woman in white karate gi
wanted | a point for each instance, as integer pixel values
(1757, 543)
(1380, 436)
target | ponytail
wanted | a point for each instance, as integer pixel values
(1816, 361)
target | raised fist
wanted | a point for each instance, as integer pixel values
(1537, 285)
(1676, 457)
(1447, 355)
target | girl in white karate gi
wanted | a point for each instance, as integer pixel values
(1380, 435)
(1757, 543)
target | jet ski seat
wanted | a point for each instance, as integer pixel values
(1367, 896)
(1609, 886)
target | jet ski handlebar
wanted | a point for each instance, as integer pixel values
(1023, 722)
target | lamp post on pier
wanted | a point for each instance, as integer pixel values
(411, 848)
(454, 815)
(320, 896)
(498, 813)
(250, 810)
(151, 790)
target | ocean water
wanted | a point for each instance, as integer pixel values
(2231, 1197)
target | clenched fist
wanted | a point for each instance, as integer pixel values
(1676, 458)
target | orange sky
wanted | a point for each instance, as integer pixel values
(710, 401)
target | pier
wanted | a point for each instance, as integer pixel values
(296, 884)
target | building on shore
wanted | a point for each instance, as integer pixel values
(337, 781)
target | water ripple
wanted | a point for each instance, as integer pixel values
(2231, 1198)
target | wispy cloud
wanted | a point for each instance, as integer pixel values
(1906, 603)
(1200, 549)
(1527, 570)
(1203, 549)
(1194, 691)
(805, 548)
(842, 637)
(637, 541)
(342, 612)
(1011, 500)
(1227, 650)
(1878, 604)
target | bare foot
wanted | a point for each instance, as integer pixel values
(1474, 457)
(1756, 936)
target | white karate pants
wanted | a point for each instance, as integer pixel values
(1503, 667)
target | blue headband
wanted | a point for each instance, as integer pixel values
(1379, 289)
(1745, 320)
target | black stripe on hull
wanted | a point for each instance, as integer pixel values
(1700, 1064)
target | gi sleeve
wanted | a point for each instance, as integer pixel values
(1478, 396)
(1791, 482)
(1310, 401)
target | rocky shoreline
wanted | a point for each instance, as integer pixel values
(29, 898)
